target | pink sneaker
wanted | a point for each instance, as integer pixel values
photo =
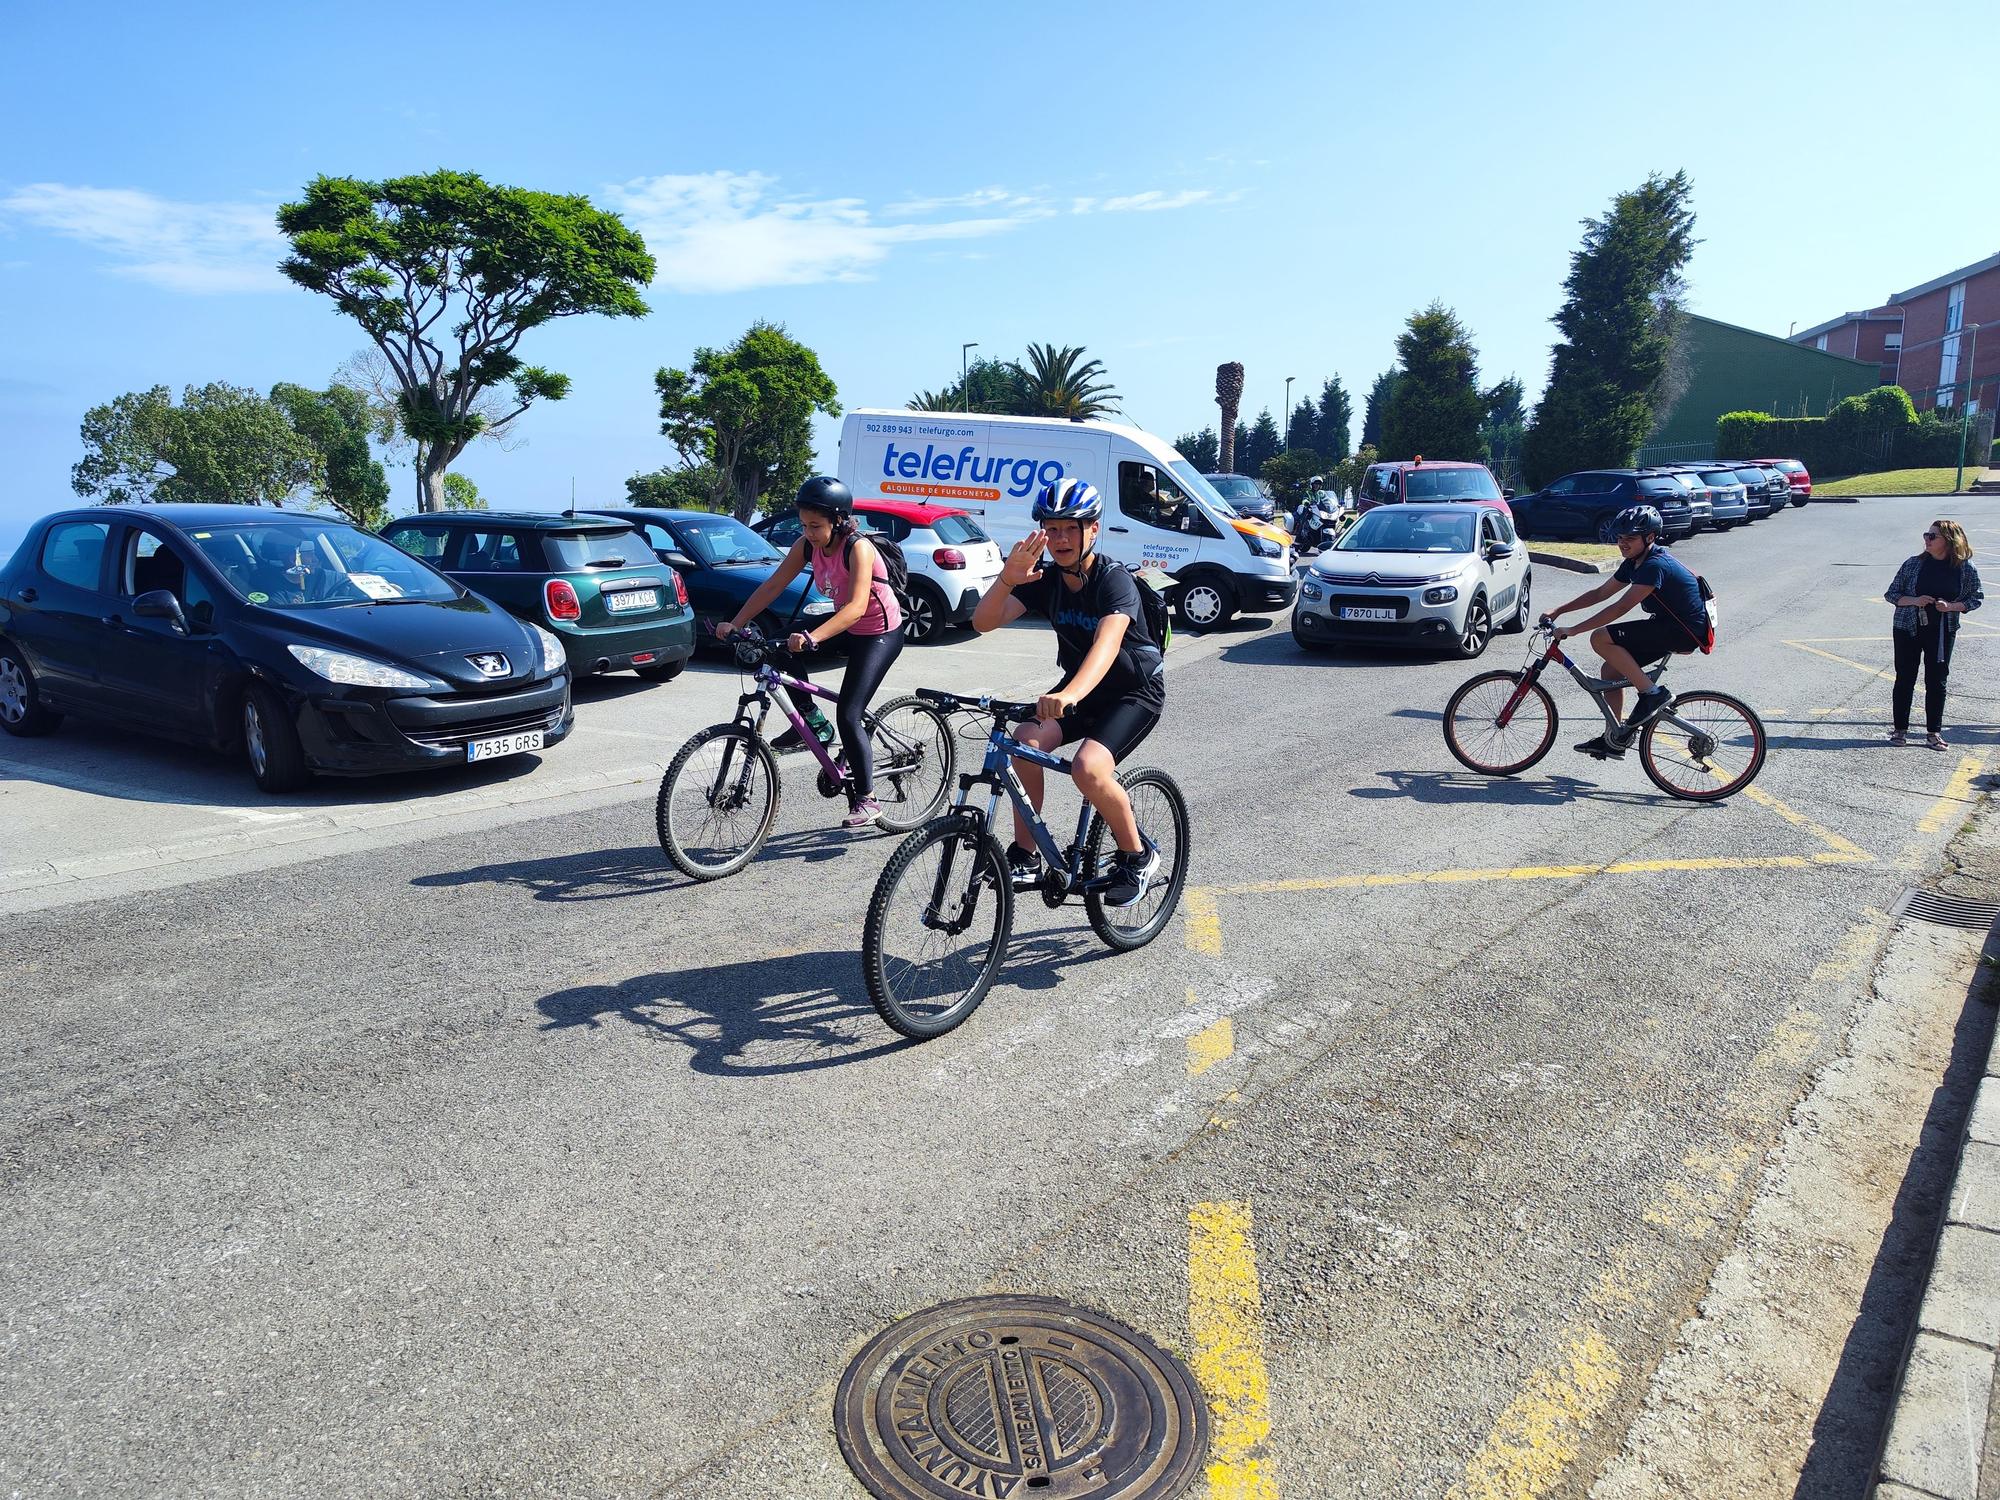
(863, 815)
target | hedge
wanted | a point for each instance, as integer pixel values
(1846, 443)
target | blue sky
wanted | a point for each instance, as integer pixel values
(1170, 185)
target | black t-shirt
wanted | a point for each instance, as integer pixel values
(1139, 673)
(1941, 579)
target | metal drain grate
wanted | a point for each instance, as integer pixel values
(1950, 911)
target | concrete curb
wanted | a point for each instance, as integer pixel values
(1569, 564)
(1938, 1436)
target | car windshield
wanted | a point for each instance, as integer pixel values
(1236, 487)
(289, 566)
(1449, 484)
(1722, 477)
(1393, 529)
(724, 542)
(1752, 476)
(958, 531)
(1193, 481)
(572, 551)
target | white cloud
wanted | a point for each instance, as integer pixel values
(1154, 201)
(994, 199)
(727, 232)
(184, 247)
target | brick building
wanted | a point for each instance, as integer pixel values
(1924, 340)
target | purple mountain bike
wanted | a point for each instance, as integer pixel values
(719, 798)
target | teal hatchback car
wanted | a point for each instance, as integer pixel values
(592, 581)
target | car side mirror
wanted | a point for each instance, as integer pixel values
(1495, 551)
(1506, 494)
(678, 560)
(160, 604)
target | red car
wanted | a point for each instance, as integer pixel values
(1795, 474)
(1428, 482)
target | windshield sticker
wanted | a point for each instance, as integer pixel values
(260, 598)
(202, 536)
(375, 586)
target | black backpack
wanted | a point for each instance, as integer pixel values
(893, 563)
(1159, 622)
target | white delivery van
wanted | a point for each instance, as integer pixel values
(1158, 510)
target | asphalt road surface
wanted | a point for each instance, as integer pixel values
(434, 1138)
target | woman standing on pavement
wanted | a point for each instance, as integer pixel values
(1930, 591)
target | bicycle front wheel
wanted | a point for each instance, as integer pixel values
(915, 755)
(1162, 814)
(1478, 740)
(937, 927)
(1704, 748)
(717, 802)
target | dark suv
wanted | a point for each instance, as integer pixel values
(594, 581)
(1582, 506)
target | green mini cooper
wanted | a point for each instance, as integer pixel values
(594, 582)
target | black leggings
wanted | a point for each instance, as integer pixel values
(1932, 647)
(869, 658)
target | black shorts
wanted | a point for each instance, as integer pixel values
(1120, 726)
(1652, 638)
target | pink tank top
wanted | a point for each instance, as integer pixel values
(830, 577)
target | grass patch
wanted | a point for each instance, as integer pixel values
(1582, 551)
(1898, 482)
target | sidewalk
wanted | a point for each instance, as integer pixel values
(1943, 1441)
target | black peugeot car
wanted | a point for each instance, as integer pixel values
(309, 643)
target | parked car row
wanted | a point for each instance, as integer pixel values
(1690, 497)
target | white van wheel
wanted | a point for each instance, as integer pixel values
(1205, 603)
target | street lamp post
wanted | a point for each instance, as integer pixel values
(965, 375)
(1965, 408)
(1287, 418)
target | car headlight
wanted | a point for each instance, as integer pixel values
(818, 608)
(1442, 595)
(354, 671)
(552, 647)
(1261, 546)
(1310, 590)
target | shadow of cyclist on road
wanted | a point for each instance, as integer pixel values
(788, 1013)
(1458, 789)
(607, 874)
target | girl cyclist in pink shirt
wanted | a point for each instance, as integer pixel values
(845, 567)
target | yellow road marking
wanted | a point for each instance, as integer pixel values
(1204, 922)
(1226, 1324)
(1957, 792)
(1541, 1432)
(1845, 661)
(1826, 836)
(1210, 1046)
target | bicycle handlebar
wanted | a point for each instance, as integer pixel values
(1001, 708)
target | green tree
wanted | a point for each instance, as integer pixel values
(1622, 302)
(691, 487)
(1336, 415)
(1435, 409)
(1302, 427)
(1502, 428)
(337, 423)
(1289, 474)
(1062, 383)
(368, 374)
(996, 385)
(1202, 449)
(223, 445)
(1260, 444)
(1377, 404)
(447, 273)
(747, 410)
(460, 493)
(1346, 476)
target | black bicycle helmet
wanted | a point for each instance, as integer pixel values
(824, 493)
(1637, 520)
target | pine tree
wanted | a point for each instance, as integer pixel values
(1336, 415)
(1262, 442)
(1436, 408)
(1618, 318)
(1302, 431)
(1378, 403)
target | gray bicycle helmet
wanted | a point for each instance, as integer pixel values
(1637, 520)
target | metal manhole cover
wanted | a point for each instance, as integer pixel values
(1019, 1396)
(1951, 911)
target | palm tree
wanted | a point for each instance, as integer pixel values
(1229, 396)
(944, 400)
(1062, 383)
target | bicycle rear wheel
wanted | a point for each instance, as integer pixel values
(1163, 817)
(937, 927)
(915, 754)
(717, 802)
(1706, 747)
(1478, 740)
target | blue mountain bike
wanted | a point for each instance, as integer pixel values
(943, 908)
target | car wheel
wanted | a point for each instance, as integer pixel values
(1204, 603)
(923, 621)
(21, 713)
(271, 743)
(1478, 629)
(1607, 531)
(1524, 611)
(666, 671)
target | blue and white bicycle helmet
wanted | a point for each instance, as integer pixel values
(1637, 520)
(1069, 500)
